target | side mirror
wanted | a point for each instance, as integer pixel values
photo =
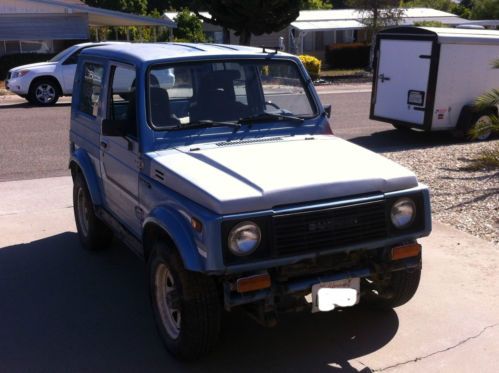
(327, 110)
(114, 128)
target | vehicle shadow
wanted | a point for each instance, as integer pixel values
(27, 105)
(65, 309)
(398, 140)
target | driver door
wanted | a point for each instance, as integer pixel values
(120, 156)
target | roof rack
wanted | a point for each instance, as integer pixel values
(275, 50)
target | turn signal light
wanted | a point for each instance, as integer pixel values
(252, 283)
(405, 251)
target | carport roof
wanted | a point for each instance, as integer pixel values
(107, 17)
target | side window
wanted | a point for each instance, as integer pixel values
(90, 89)
(122, 105)
(73, 59)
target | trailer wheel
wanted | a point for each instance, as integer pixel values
(400, 127)
(481, 120)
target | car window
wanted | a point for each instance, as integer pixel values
(90, 89)
(122, 103)
(72, 59)
(226, 91)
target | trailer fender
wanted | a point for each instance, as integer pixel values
(175, 227)
(80, 161)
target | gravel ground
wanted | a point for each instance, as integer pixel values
(464, 198)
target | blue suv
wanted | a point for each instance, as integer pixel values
(216, 164)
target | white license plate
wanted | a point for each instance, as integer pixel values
(326, 296)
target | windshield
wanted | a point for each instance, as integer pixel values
(59, 56)
(223, 93)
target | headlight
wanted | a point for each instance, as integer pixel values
(19, 74)
(244, 238)
(403, 213)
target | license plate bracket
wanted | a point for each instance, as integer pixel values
(327, 296)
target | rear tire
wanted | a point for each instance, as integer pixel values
(93, 233)
(43, 92)
(185, 304)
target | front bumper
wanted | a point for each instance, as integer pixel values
(17, 86)
(304, 284)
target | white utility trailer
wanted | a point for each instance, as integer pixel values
(428, 78)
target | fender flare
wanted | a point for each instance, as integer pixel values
(174, 225)
(81, 159)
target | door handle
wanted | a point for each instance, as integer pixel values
(103, 144)
(382, 77)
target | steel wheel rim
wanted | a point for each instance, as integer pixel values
(486, 120)
(165, 298)
(45, 93)
(82, 210)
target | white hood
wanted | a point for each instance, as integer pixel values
(258, 176)
(31, 66)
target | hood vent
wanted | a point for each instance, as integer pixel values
(253, 141)
(159, 175)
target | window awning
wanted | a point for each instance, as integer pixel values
(328, 25)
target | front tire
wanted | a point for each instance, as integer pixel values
(93, 233)
(399, 290)
(185, 304)
(43, 92)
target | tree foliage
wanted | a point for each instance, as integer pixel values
(189, 27)
(485, 9)
(377, 14)
(128, 6)
(316, 4)
(247, 17)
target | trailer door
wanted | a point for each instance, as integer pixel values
(402, 80)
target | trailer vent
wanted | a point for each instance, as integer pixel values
(329, 228)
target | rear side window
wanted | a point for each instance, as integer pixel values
(91, 88)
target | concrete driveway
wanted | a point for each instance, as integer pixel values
(66, 310)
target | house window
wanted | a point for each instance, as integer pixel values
(36, 46)
(12, 46)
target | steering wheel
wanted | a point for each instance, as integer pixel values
(270, 103)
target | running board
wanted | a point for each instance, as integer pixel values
(121, 232)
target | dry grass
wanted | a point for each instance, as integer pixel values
(487, 159)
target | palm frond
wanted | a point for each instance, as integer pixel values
(495, 64)
(487, 100)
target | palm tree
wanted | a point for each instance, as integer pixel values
(487, 124)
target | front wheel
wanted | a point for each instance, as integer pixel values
(399, 290)
(185, 304)
(43, 92)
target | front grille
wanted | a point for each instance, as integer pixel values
(329, 228)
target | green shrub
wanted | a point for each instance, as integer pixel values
(347, 56)
(9, 61)
(312, 64)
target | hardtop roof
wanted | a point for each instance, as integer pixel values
(449, 35)
(149, 52)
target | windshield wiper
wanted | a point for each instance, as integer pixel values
(265, 117)
(206, 123)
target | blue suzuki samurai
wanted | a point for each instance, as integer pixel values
(217, 165)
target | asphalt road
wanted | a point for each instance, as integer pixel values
(34, 140)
